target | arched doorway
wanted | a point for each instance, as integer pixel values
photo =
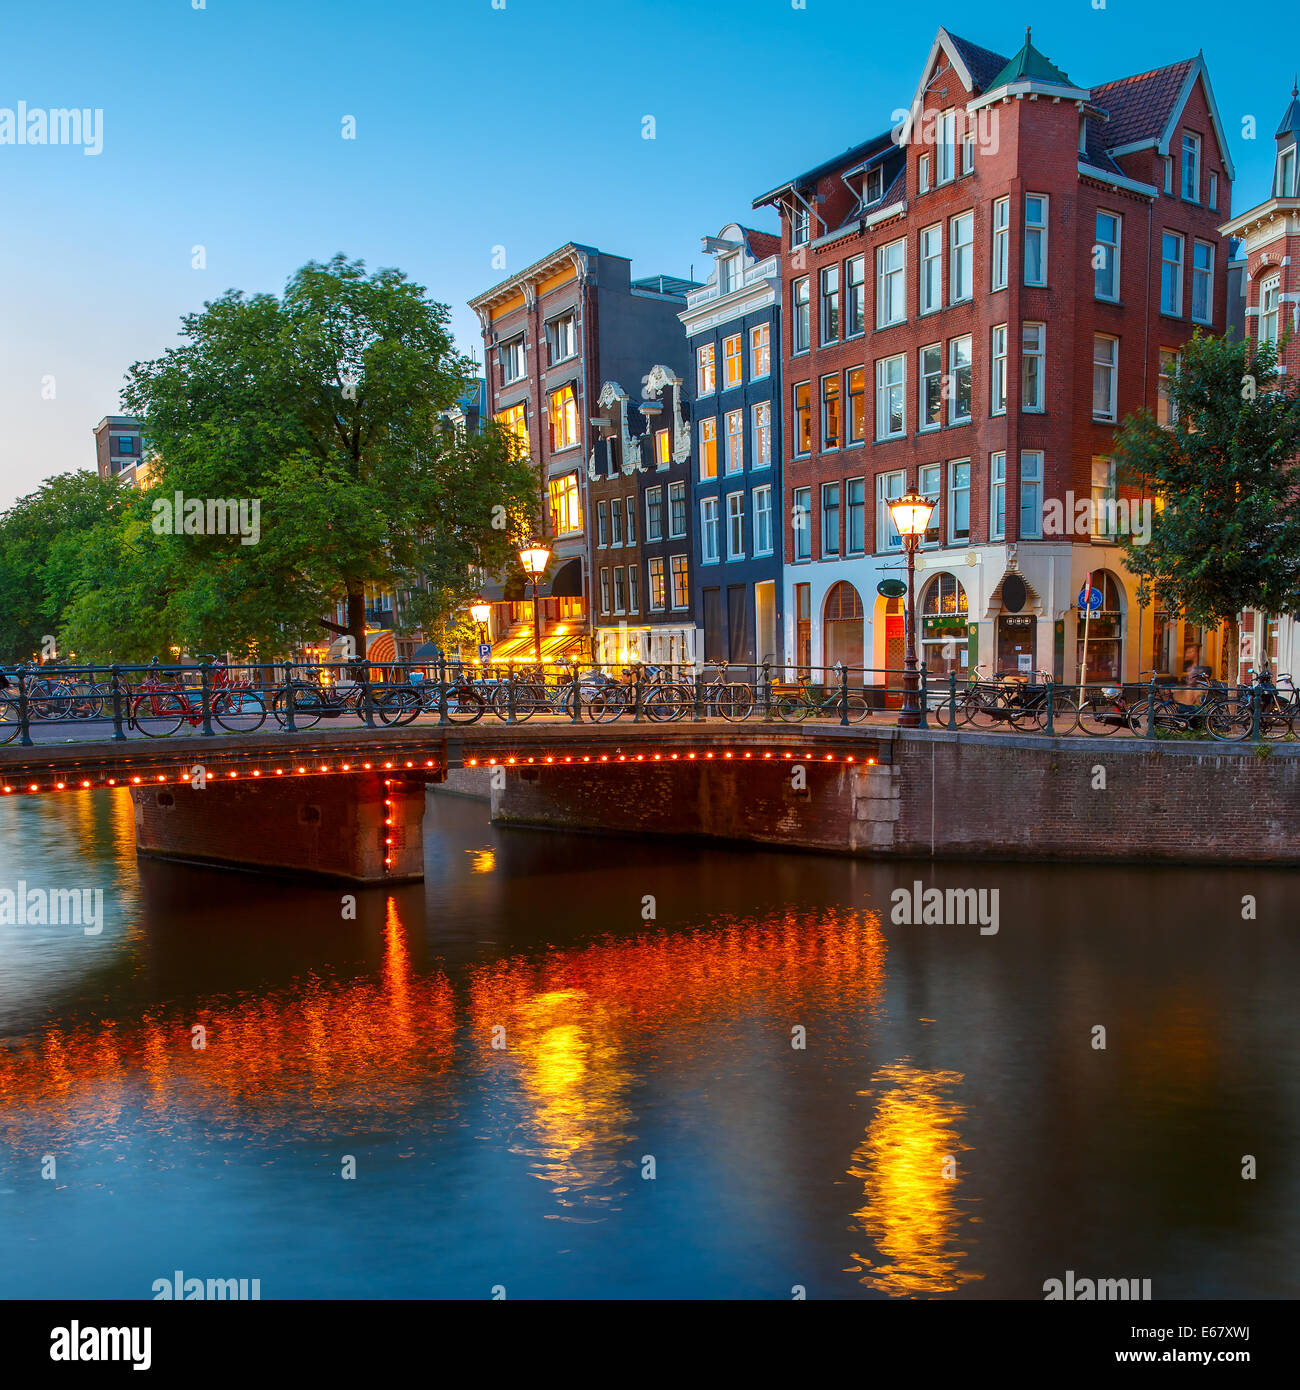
(1105, 633)
(842, 629)
(942, 619)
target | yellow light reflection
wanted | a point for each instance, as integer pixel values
(911, 1214)
(482, 861)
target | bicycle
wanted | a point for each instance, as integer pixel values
(1108, 710)
(793, 707)
(733, 700)
(161, 707)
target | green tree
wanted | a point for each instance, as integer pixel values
(1225, 534)
(324, 412)
(44, 560)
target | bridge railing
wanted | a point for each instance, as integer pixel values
(210, 697)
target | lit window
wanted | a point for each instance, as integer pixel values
(563, 417)
(658, 595)
(857, 381)
(681, 582)
(803, 418)
(566, 507)
(732, 367)
(708, 448)
(831, 412)
(514, 418)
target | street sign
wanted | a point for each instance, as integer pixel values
(1090, 599)
(891, 588)
(484, 652)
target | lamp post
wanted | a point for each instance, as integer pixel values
(911, 514)
(534, 558)
(480, 612)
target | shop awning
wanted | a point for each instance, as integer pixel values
(568, 580)
(561, 643)
(381, 645)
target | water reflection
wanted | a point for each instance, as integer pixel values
(911, 1173)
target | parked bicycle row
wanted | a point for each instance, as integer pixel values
(158, 701)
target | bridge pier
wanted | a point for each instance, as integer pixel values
(360, 828)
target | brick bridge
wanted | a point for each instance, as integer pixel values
(348, 803)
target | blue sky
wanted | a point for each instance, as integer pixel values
(476, 127)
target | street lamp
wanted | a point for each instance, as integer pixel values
(911, 514)
(480, 612)
(534, 558)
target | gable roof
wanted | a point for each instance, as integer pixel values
(1140, 107)
(761, 244)
(982, 64)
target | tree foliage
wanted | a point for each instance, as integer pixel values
(326, 408)
(1226, 529)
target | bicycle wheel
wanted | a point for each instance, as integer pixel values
(307, 705)
(8, 719)
(667, 703)
(1099, 716)
(465, 705)
(735, 701)
(239, 711)
(1065, 715)
(398, 706)
(1229, 720)
(791, 709)
(1170, 719)
(158, 715)
(1275, 724)
(988, 710)
(604, 706)
(857, 708)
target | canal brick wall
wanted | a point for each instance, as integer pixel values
(945, 795)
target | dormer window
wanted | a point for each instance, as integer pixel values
(1192, 168)
(799, 225)
(874, 188)
(1286, 163)
(1083, 135)
(728, 274)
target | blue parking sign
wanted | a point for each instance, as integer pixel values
(484, 652)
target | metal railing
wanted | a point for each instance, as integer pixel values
(209, 697)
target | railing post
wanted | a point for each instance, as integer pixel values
(290, 726)
(24, 711)
(1051, 710)
(952, 699)
(510, 696)
(636, 697)
(205, 696)
(699, 696)
(844, 695)
(367, 696)
(118, 733)
(1151, 709)
(923, 722)
(766, 686)
(442, 687)
(576, 692)
(1254, 713)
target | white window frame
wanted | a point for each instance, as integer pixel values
(1205, 273)
(1028, 356)
(955, 491)
(997, 493)
(1032, 464)
(506, 352)
(656, 495)
(1180, 241)
(801, 312)
(929, 483)
(848, 316)
(891, 283)
(929, 288)
(706, 370)
(801, 525)
(923, 422)
(733, 454)
(1001, 258)
(735, 518)
(1110, 365)
(998, 375)
(953, 368)
(1112, 250)
(1039, 230)
(761, 416)
(761, 519)
(889, 390)
(961, 258)
(1270, 288)
(679, 489)
(1191, 142)
(760, 351)
(889, 487)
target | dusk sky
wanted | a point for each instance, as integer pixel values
(475, 127)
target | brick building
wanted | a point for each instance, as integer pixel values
(553, 334)
(973, 301)
(734, 323)
(639, 477)
(119, 449)
(1270, 308)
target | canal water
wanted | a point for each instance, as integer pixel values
(569, 1066)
